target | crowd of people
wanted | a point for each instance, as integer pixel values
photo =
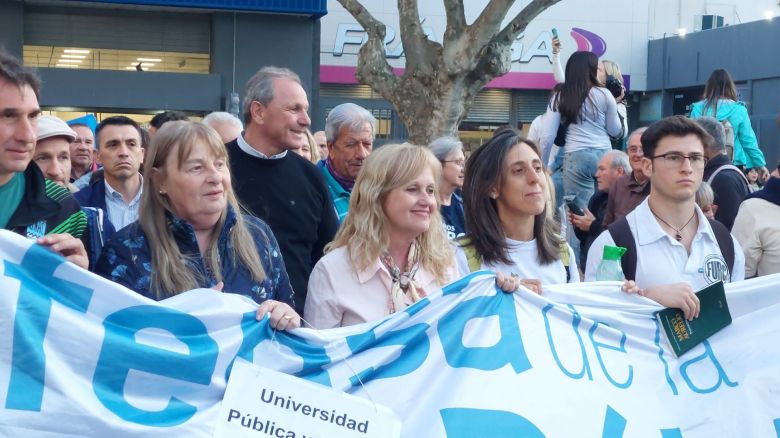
(322, 227)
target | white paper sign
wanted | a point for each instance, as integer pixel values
(261, 402)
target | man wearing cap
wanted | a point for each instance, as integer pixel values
(52, 155)
(30, 205)
(52, 150)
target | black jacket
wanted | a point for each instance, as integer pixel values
(730, 188)
(47, 208)
(598, 206)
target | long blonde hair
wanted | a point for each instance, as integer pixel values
(314, 150)
(364, 231)
(170, 274)
(612, 68)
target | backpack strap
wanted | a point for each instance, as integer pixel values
(621, 235)
(563, 249)
(473, 259)
(727, 167)
(725, 243)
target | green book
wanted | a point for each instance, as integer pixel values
(683, 335)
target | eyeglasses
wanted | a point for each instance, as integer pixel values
(461, 162)
(676, 159)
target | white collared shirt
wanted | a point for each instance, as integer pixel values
(246, 147)
(121, 214)
(663, 260)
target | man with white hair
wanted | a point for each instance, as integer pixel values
(587, 227)
(349, 130)
(283, 189)
(227, 125)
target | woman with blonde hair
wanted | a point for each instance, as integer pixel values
(191, 233)
(309, 148)
(391, 249)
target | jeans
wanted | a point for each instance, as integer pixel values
(579, 182)
(557, 177)
(579, 170)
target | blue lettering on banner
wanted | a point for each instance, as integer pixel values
(33, 308)
(508, 350)
(121, 353)
(657, 341)
(314, 357)
(777, 427)
(614, 424)
(413, 339)
(722, 377)
(671, 433)
(469, 423)
(622, 348)
(575, 322)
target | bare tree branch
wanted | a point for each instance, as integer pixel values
(521, 20)
(489, 21)
(372, 65)
(421, 53)
(456, 20)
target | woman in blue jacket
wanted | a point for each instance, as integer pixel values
(191, 233)
(720, 101)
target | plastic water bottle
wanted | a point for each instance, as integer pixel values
(610, 269)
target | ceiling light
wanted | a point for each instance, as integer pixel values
(66, 65)
(149, 59)
(682, 31)
(73, 56)
(74, 61)
(768, 15)
(76, 51)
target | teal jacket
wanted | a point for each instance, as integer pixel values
(746, 151)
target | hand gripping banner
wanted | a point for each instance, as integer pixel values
(81, 356)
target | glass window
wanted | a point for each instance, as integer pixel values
(113, 59)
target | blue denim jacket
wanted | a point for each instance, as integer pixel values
(126, 260)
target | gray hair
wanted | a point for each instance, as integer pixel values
(261, 87)
(442, 147)
(350, 115)
(222, 118)
(637, 131)
(705, 196)
(619, 160)
(716, 130)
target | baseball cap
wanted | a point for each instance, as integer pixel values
(51, 126)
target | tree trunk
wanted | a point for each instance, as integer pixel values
(436, 91)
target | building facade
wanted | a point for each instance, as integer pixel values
(621, 31)
(144, 56)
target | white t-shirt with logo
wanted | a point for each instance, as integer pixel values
(663, 260)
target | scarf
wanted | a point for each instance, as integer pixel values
(403, 282)
(346, 183)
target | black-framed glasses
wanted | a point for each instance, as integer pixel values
(461, 162)
(676, 159)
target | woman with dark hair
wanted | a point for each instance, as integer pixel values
(506, 199)
(720, 101)
(588, 116)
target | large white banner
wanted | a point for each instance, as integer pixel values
(80, 356)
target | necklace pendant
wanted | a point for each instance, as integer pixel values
(678, 237)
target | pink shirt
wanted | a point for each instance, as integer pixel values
(338, 296)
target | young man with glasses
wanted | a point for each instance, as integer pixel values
(673, 249)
